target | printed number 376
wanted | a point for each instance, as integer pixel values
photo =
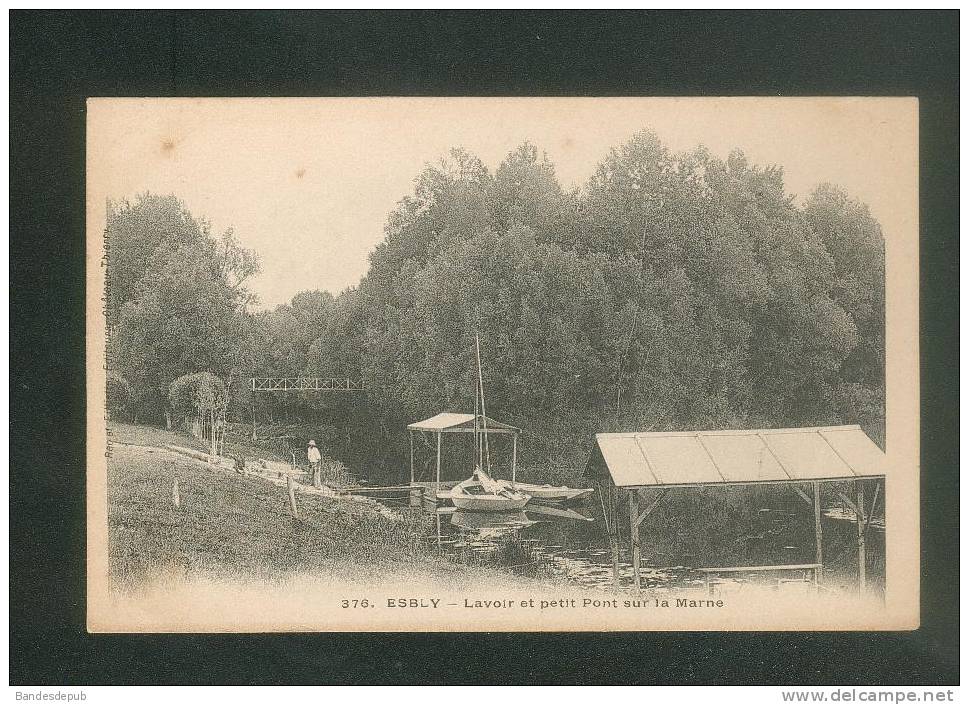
(355, 603)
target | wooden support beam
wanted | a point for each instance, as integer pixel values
(802, 494)
(651, 507)
(818, 552)
(634, 537)
(871, 513)
(847, 500)
(860, 527)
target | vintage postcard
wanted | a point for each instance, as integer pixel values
(502, 364)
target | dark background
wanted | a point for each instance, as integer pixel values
(58, 59)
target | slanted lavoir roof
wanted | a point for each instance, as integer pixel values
(459, 423)
(690, 458)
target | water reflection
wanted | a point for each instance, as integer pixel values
(561, 542)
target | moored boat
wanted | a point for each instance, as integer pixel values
(547, 493)
(479, 493)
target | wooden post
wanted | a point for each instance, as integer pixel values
(860, 528)
(411, 434)
(437, 486)
(614, 534)
(292, 495)
(634, 536)
(254, 410)
(514, 457)
(317, 475)
(176, 496)
(818, 552)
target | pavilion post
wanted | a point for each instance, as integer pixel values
(514, 458)
(818, 552)
(411, 435)
(437, 485)
(634, 536)
(860, 528)
(614, 534)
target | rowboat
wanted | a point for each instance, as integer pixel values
(479, 493)
(547, 493)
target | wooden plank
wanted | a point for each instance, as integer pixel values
(292, 495)
(759, 568)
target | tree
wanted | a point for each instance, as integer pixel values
(186, 312)
(134, 232)
(207, 396)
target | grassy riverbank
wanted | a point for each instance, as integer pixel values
(240, 528)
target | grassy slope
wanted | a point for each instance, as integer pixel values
(240, 527)
(154, 436)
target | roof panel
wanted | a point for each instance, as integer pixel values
(858, 450)
(441, 422)
(743, 458)
(724, 457)
(807, 455)
(448, 421)
(679, 460)
(626, 462)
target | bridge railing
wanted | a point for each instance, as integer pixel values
(294, 384)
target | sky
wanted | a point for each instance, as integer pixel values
(309, 182)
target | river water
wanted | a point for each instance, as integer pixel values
(571, 544)
(568, 543)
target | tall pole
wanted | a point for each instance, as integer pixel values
(437, 487)
(484, 412)
(514, 457)
(860, 528)
(818, 552)
(634, 536)
(614, 534)
(477, 438)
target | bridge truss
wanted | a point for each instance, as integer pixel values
(300, 384)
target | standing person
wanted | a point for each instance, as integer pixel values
(313, 455)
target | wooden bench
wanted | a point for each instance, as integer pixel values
(812, 569)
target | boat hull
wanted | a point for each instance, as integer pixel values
(547, 493)
(489, 503)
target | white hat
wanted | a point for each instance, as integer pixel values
(312, 443)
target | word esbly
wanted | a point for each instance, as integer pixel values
(431, 603)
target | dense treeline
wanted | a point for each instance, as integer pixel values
(672, 291)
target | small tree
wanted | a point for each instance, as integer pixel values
(119, 395)
(206, 395)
